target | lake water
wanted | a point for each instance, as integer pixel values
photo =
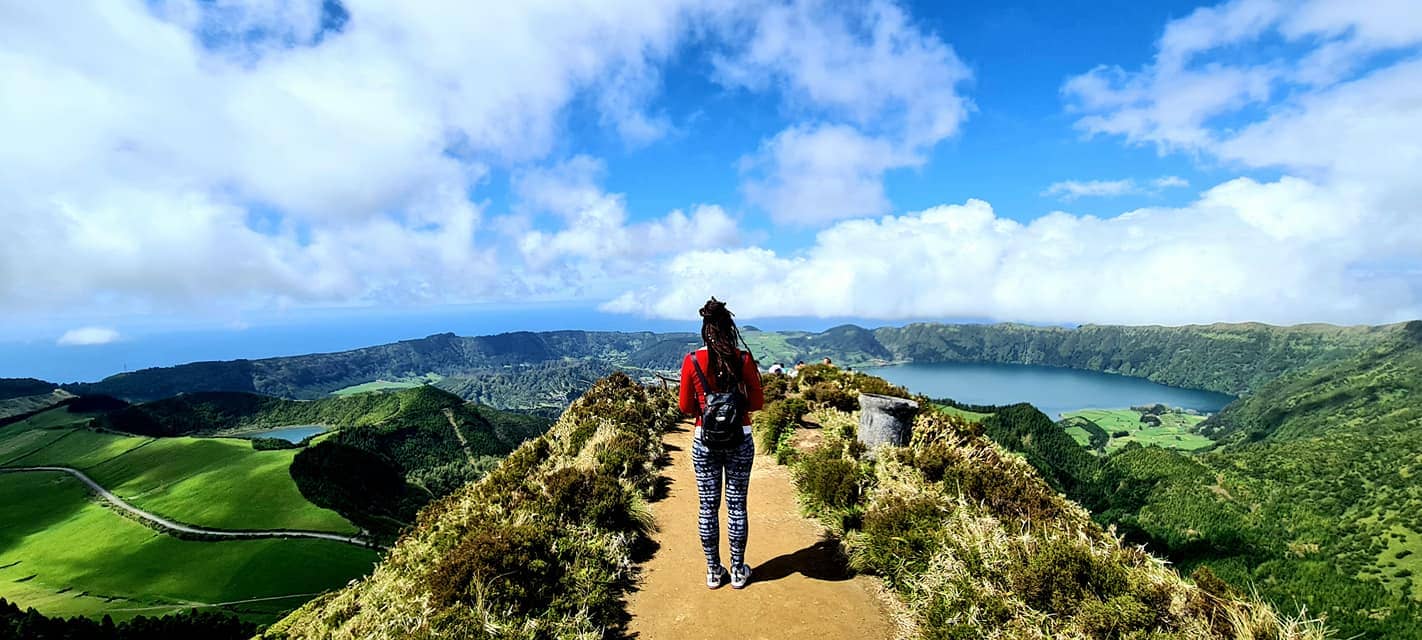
(1053, 390)
(289, 434)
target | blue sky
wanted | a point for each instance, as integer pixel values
(184, 165)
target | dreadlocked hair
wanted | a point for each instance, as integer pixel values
(719, 332)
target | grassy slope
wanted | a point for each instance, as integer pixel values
(203, 481)
(1311, 500)
(81, 554)
(539, 548)
(977, 545)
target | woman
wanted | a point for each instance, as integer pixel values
(724, 367)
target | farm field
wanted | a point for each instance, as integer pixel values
(212, 482)
(1176, 430)
(970, 416)
(386, 385)
(64, 554)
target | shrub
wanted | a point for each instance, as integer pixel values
(587, 497)
(500, 567)
(775, 387)
(1060, 574)
(273, 444)
(898, 535)
(827, 480)
(831, 395)
(864, 383)
(1114, 618)
(624, 456)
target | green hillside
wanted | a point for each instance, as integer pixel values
(63, 554)
(540, 548)
(389, 453)
(1228, 358)
(1233, 359)
(1310, 497)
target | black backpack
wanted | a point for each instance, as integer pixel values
(722, 413)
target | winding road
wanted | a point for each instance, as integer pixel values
(173, 526)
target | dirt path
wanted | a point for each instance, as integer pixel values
(464, 444)
(173, 526)
(799, 587)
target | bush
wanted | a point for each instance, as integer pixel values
(500, 567)
(1114, 618)
(587, 497)
(827, 480)
(832, 395)
(775, 386)
(273, 444)
(898, 535)
(1061, 574)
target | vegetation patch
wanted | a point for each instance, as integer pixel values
(977, 545)
(541, 547)
(87, 560)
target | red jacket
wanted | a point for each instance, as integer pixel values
(691, 391)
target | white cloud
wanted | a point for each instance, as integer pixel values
(875, 92)
(1174, 101)
(85, 336)
(1073, 189)
(199, 154)
(1243, 251)
(1069, 190)
(598, 249)
(1336, 238)
(808, 175)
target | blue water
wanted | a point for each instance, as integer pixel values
(1052, 390)
(289, 434)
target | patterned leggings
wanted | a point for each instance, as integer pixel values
(710, 465)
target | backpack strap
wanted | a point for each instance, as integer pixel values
(705, 387)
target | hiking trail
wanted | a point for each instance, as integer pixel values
(799, 585)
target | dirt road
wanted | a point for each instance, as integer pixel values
(799, 586)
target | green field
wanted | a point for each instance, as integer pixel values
(212, 482)
(387, 385)
(64, 554)
(1176, 430)
(970, 416)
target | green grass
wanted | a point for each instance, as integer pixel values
(1079, 435)
(1176, 430)
(66, 555)
(386, 385)
(1405, 542)
(212, 482)
(970, 416)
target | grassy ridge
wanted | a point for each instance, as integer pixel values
(66, 555)
(976, 545)
(539, 548)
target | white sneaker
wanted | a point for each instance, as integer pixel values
(740, 576)
(715, 577)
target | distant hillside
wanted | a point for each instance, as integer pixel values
(20, 387)
(1232, 359)
(1228, 358)
(1312, 497)
(389, 455)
